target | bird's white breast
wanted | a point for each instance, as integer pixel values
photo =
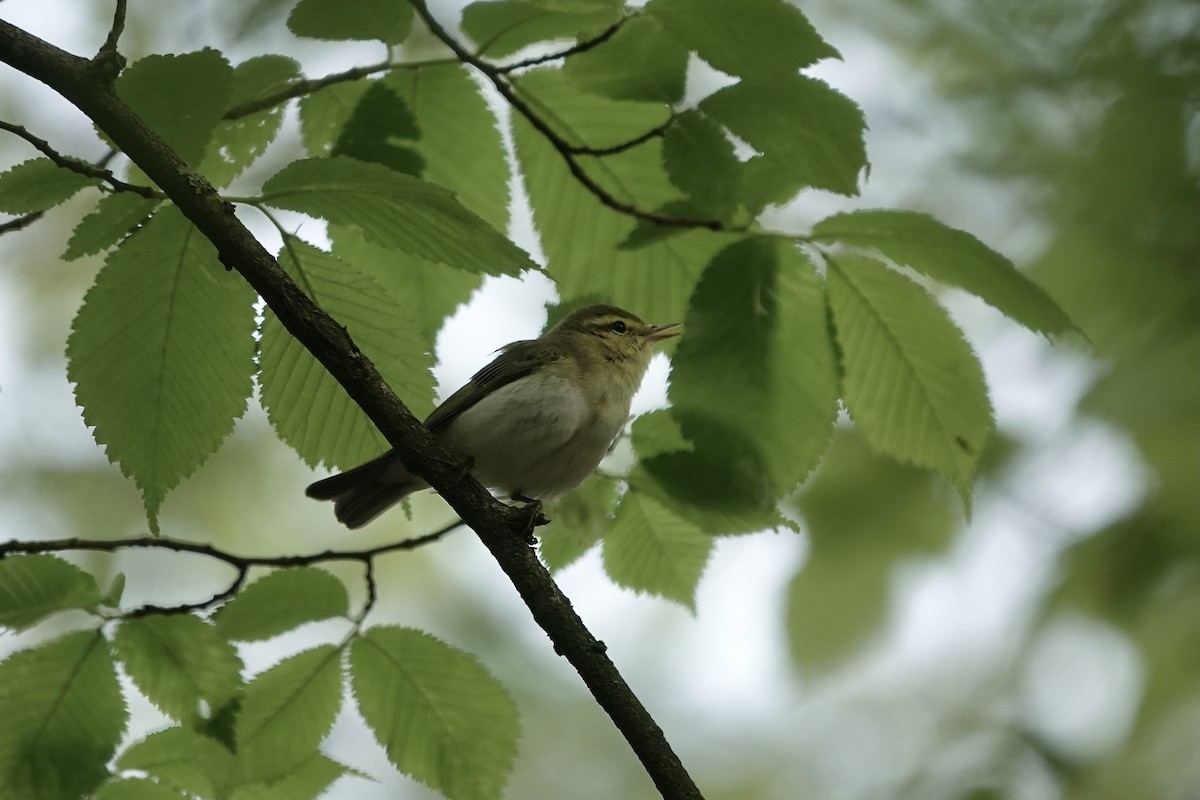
(538, 436)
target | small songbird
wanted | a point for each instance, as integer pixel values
(532, 424)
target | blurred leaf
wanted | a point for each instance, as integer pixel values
(502, 27)
(578, 522)
(162, 355)
(63, 716)
(443, 718)
(373, 133)
(136, 789)
(33, 587)
(583, 119)
(310, 410)
(39, 184)
(181, 97)
(651, 549)
(384, 20)
(653, 281)
(180, 663)
(113, 218)
(286, 712)
(700, 160)
(912, 383)
(809, 135)
(641, 61)
(950, 256)
(758, 322)
(862, 512)
(116, 591)
(394, 210)
(180, 758)
(750, 38)
(236, 143)
(306, 782)
(280, 601)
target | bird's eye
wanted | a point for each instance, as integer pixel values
(619, 326)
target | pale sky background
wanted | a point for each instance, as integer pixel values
(725, 673)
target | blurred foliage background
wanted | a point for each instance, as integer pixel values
(1046, 647)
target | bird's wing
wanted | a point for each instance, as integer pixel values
(515, 361)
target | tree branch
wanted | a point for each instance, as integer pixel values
(501, 528)
(570, 51)
(78, 166)
(565, 149)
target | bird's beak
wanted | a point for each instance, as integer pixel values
(656, 333)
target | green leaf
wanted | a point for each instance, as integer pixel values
(383, 20)
(162, 354)
(652, 549)
(180, 758)
(658, 432)
(396, 211)
(504, 27)
(286, 712)
(750, 38)
(236, 143)
(108, 223)
(950, 256)
(39, 184)
(180, 663)
(579, 521)
(116, 591)
(587, 120)
(182, 97)
(443, 719)
(422, 291)
(641, 61)
(580, 235)
(280, 601)
(809, 135)
(912, 383)
(758, 322)
(700, 160)
(373, 133)
(307, 407)
(308, 781)
(324, 113)
(136, 789)
(63, 716)
(458, 137)
(863, 512)
(32, 587)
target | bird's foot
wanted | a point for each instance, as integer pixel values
(536, 517)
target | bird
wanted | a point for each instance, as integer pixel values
(532, 424)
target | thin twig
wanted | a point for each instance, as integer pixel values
(23, 221)
(570, 51)
(78, 166)
(563, 147)
(308, 86)
(108, 50)
(653, 133)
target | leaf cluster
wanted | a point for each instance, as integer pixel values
(437, 712)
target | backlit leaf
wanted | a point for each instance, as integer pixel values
(161, 354)
(652, 549)
(181, 663)
(34, 586)
(39, 184)
(279, 601)
(63, 716)
(912, 383)
(443, 719)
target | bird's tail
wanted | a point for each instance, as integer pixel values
(361, 494)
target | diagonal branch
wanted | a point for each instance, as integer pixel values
(502, 529)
